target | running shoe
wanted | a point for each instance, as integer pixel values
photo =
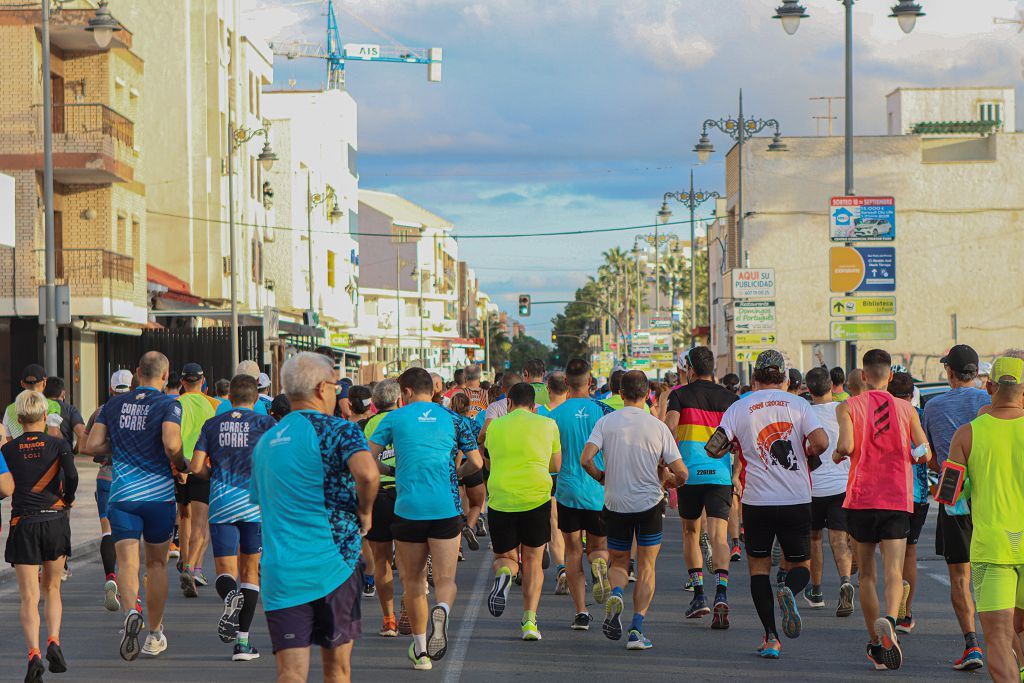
(545, 559)
(875, 656)
(770, 648)
(972, 659)
(66, 574)
(814, 600)
(720, 613)
(892, 656)
(737, 554)
(905, 624)
(845, 608)
(404, 625)
(903, 601)
(613, 618)
(462, 558)
(227, 628)
(581, 622)
(130, 637)
(420, 662)
(188, 584)
(155, 643)
(632, 571)
(244, 652)
(638, 641)
(111, 599)
(481, 526)
(530, 631)
(562, 582)
(471, 540)
(389, 629)
(498, 598)
(437, 639)
(705, 551)
(791, 623)
(602, 586)
(55, 658)
(369, 590)
(200, 578)
(698, 608)
(174, 551)
(180, 565)
(35, 670)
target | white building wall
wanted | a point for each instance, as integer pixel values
(908, 106)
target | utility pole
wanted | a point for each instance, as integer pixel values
(828, 117)
(50, 328)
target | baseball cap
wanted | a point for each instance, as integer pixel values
(263, 381)
(961, 358)
(795, 378)
(121, 381)
(770, 358)
(1007, 370)
(33, 374)
(193, 372)
(248, 367)
(984, 368)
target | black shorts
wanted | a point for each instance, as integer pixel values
(383, 516)
(419, 530)
(572, 520)
(181, 492)
(194, 490)
(953, 537)
(36, 541)
(623, 527)
(475, 479)
(917, 522)
(694, 499)
(791, 524)
(875, 526)
(827, 512)
(509, 530)
(329, 622)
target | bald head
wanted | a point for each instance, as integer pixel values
(153, 367)
(855, 382)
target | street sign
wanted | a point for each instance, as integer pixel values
(849, 306)
(661, 322)
(753, 283)
(756, 339)
(862, 219)
(340, 339)
(862, 269)
(754, 316)
(747, 355)
(362, 51)
(862, 330)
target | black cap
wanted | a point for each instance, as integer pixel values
(33, 374)
(795, 378)
(193, 372)
(961, 358)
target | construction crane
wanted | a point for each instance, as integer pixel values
(336, 54)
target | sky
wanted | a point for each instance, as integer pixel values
(580, 114)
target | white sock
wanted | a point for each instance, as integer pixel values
(445, 607)
(419, 643)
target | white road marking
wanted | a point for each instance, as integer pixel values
(941, 578)
(457, 657)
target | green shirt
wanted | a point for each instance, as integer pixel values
(196, 409)
(840, 396)
(15, 428)
(997, 490)
(387, 456)
(540, 393)
(616, 402)
(520, 446)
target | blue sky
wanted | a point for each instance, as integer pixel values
(576, 114)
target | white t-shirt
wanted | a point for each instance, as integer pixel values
(634, 443)
(829, 479)
(497, 409)
(769, 427)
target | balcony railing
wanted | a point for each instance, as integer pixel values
(90, 121)
(89, 266)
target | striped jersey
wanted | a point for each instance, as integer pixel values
(228, 441)
(700, 405)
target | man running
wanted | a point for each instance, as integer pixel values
(838, 378)
(427, 439)
(694, 413)
(523, 449)
(637, 448)
(533, 374)
(876, 431)
(223, 456)
(142, 431)
(775, 435)
(476, 394)
(72, 426)
(828, 492)
(943, 415)
(33, 378)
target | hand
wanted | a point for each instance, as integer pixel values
(181, 477)
(54, 420)
(837, 458)
(365, 522)
(737, 488)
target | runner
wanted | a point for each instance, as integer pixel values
(578, 497)
(694, 413)
(828, 491)
(943, 415)
(44, 483)
(223, 456)
(876, 431)
(33, 378)
(251, 368)
(533, 374)
(142, 431)
(315, 482)
(499, 407)
(476, 394)
(855, 382)
(614, 384)
(637, 448)
(263, 382)
(523, 449)
(775, 435)
(72, 428)
(427, 439)
(558, 392)
(474, 492)
(838, 378)
(992, 448)
(458, 384)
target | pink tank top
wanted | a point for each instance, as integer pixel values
(881, 476)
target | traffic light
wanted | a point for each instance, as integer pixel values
(524, 305)
(554, 338)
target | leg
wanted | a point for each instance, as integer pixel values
(50, 587)
(691, 550)
(555, 545)
(718, 531)
(999, 639)
(618, 571)
(199, 527)
(369, 560)
(839, 541)
(250, 587)
(337, 663)
(643, 591)
(444, 554)
(868, 587)
(893, 554)
(183, 531)
(573, 543)
(28, 586)
(293, 665)
(960, 594)
(128, 577)
(156, 582)
(411, 559)
(910, 573)
(533, 577)
(382, 577)
(475, 495)
(817, 556)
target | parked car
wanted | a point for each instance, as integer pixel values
(929, 390)
(872, 227)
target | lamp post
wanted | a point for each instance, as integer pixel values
(690, 200)
(313, 201)
(399, 264)
(905, 12)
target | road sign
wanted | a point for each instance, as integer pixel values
(340, 340)
(862, 219)
(661, 322)
(362, 51)
(862, 269)
(756, 339)
(862, 330)
(862, 305)
(753, 283)
(747, 355)
(754, 316)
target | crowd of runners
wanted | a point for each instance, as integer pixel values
(316, 498)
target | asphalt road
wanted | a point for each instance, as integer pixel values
(483, 648)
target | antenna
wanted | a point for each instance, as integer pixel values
(828, 117)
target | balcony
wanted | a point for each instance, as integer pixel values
(92, 144)
(91, 274)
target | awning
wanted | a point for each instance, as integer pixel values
(176, 288)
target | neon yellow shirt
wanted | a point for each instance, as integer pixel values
(540, 393)
(520, 446)
(387, 456)
(196, 409)
(997, 490)
(616, 402)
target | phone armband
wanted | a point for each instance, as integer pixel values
(719, 444)
(951, 482)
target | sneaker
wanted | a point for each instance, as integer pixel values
(437, 639)
(892, 656)
(35, 670)
(111, 599)
(499, 594)
(179, 565)
(174, 551)
(66, 574)
(791, 623)
(814, 600)
(389, 629)
(562, 582)
(905, 624)
(737, 554)
(188, 584)
(530, 631)
(200, 578)
(632, 571)
(770, 648)
(875, 656)
(602, 587)
(155, 643)
(471, 540)
(720, 614)
(638, 641)
(613, 618)
(369, 590)
(481, 527)
(227, 628)
(972, 659)
(581, 622)
(404, 625)
(244, 652)
(846, 593)
(698, 608)
(420, 662)
(462, 558)
(130, 636)
(705, 551)
(903, 601)
(55, 658)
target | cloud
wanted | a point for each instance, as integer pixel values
(661, 41)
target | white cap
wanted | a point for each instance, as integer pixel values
(263, 381)
(984, 368)
(121, 381)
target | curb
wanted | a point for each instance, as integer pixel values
(78, 552)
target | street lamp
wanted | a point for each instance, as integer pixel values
(103, 25)
(314, 200)
(790, 12)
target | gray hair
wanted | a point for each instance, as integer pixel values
(303, 373)
(30, 406)
(472, 372)
(385, 394)
(248, 367)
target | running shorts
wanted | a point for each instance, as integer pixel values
(383, 517)
(102, 496)
(695, 499)
(827, 512)
(198, 490)
(509, 530)
(475, 479)
(623, 527)
(953, 537)
(917, 522)
(997, 586)
(791, 524)
(230, 537)
(329, 622)
(35, 541)
(571, 520)
(875, 526)
(151, 519)
(419, 530)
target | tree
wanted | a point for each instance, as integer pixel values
(500, 344)
(523, 348)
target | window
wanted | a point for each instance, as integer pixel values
(370, 306)
(353, 159)
(137, 245)
(990, 111)
(255, 254)
(412, 308)
(330, 269)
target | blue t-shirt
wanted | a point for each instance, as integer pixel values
(946, 413)
(261, 407)
(3, 466)
(576, 419)
(427, 438)
(473, 425)
(307, 496)
(480, 419)
(135, 423)
(228, 441)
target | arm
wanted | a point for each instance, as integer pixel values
(67, 464)
(672, 420)
(556, 462)
(473, 462)
(97, 444)
(679, 473)
(363, 467)
(737, 481)
(590, 452)
(817, 443)
(917, 435)
(960, 446)
(172, 445)
(53, 423)
(199, 465)
(6, 485)
(845, 443)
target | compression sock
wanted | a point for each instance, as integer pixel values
(242, 638)
(250, 596)
(638, 622)
(697, 580)
(445, 607)
(175, 540)
(764, 603)
(225, 584)
(107, 555)
(797, 579)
